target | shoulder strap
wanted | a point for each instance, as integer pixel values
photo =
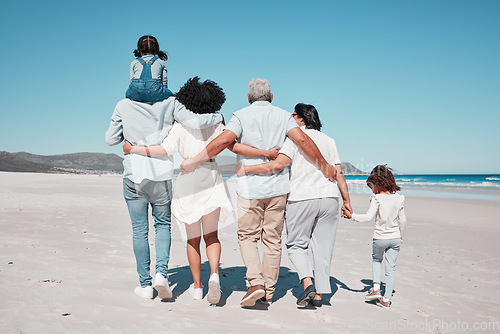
(152, 60)
(141, 61)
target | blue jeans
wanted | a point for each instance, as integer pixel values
(147, 90)
(139, 196)
(391, 249)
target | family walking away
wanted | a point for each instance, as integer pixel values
(289, 176)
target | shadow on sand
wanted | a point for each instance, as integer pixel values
(233, 279)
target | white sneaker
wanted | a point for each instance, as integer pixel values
(214, 292)
(161, 285)
(146, 292)
(196, 293)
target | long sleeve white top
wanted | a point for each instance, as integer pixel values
(390, 217)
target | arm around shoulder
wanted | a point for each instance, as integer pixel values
(311, 150)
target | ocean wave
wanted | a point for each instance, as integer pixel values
(493, 178)
(471, 184)
(363, 182)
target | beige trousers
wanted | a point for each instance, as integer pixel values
(261, 219)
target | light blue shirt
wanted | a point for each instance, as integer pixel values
(263, 126)
(148, 124)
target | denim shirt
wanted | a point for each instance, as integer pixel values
(148, 124)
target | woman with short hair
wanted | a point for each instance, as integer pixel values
(313, 209)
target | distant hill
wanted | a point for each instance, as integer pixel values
(349, 169)
(97, 163)
(75, 163)
(9, 162)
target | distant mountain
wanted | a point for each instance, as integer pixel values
(78, 163)
(9, 162)
(349, 169)
(97, 163)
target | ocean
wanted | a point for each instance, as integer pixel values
(465, 186)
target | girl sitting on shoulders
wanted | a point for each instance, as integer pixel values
(148, 72)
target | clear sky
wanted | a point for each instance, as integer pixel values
(415, 84)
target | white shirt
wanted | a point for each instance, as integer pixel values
(263, 126)
(189, 142)
(306, 180)
(390, 218)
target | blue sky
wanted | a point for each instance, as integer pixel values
(414, 84)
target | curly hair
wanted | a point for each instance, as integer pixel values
(149, 44)
(382, 176)
(201, 97)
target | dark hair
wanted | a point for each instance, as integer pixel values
(309, 114)
(149, 44)
(201, 97)
(382, 176)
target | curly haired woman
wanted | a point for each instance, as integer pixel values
(198, 197)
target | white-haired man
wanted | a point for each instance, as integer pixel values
(261, 198)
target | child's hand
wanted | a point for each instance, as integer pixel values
(346, 213)
(127, 147)
(347, 207)
(346, 210)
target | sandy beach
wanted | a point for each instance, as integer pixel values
(67, 265)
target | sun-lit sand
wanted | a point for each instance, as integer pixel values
(66, 265)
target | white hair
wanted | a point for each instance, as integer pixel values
(259, 90)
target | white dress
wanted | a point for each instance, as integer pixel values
(204, 190)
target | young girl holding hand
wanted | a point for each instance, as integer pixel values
(388, 209)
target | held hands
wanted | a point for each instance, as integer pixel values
(346, 211)
(127, 147)
(273, 153)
